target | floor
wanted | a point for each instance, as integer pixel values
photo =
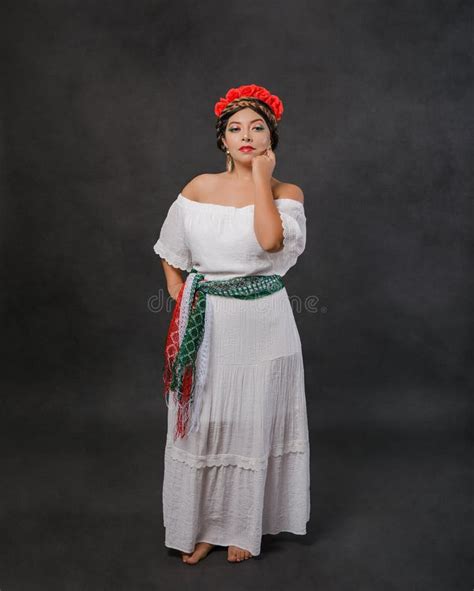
(81, 509)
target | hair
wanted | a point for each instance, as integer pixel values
(253, 103)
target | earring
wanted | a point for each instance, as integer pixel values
(229, 161)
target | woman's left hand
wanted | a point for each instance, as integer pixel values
(263, 165)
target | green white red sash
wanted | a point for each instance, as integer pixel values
(187, 342)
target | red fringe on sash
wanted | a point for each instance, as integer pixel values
(171, 353)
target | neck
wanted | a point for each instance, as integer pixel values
(242, 172)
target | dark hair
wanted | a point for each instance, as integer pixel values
(257, 105)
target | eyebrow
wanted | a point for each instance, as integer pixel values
(253, 120)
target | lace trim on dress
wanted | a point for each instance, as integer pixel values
(247, 463)
(171, 257)
(184, 312)
(202, 359)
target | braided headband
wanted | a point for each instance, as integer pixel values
(250, 91)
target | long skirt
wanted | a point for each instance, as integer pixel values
(246, 471)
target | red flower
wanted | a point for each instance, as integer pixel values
(250, 91)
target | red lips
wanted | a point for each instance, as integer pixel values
(246, 149)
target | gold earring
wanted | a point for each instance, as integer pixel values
(229, 161)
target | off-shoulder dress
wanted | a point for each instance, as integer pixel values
(246, 472)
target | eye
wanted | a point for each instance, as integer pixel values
(258, 127)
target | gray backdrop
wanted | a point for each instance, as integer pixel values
(107, 114)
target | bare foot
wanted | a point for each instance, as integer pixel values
(236, 554)
(201, 550)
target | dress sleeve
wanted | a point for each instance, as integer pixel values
(171, 244)
(293, 219)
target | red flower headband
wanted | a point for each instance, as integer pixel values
(250, 91)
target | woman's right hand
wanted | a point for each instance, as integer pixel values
(174, 290)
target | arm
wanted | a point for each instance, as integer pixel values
(174, 279)
(173, 250)
(267, 221)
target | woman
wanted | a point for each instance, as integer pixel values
(237, 450)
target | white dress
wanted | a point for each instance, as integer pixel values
(246, 472)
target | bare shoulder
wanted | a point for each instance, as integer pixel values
(289, 191)
(199, 185)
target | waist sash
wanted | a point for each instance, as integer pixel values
(187, 342)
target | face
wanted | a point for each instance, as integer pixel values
(246, 128)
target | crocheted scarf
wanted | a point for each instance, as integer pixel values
(187, 342)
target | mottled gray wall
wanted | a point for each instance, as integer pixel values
(108, 112)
